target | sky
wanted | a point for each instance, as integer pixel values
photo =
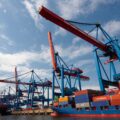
(23, 35)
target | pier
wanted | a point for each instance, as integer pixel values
(46, 111)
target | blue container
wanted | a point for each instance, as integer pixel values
(100, 103)
(82, 98)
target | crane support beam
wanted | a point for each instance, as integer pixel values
(105, 82)
(45, 84)
(75, 75)
(25, 83)
(34, 92)
(49, 15)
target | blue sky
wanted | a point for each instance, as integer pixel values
(23, 34)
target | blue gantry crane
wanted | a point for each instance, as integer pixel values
(28, 94)
(70, 77)
(107, 53)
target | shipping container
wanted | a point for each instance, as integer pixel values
(115, 102)
(100, 103)
(64, 99)
(82, 98)
(101, 98)
(84, 105)
(77, 105)
(115, 99)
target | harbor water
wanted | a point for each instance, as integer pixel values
(46, 117)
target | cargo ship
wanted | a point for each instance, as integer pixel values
(74, 101)
(88, 103)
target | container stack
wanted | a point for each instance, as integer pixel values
(100, 101)
(84, 97)
(101, 98)
(106, 100)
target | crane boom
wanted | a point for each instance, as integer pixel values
(49, 15)
(52, 51)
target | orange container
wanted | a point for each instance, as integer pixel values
(115, 99)
(115, 102)
(93, 92)
(64, 99)
(56, 104)
(101, 98)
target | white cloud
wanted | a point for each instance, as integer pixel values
(77, 8)
(6, 40)
(2, 26)
(93, 87)
(44, 73)
(113, 27)
(75, 40)
(45, 53)
(74, 51)
(32, 6)
(17, 58)
(38, 3)
(41, 72)
(60, 31)
(96, 3)
(84, 62)
(8, 60)
(1, 5)
(72, 8)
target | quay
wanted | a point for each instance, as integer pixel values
(46, 111)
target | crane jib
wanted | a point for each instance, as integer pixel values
(69, 27)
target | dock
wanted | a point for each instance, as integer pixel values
(46, 111)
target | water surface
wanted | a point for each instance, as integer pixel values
(43, 117)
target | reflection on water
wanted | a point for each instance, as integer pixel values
(42, 117)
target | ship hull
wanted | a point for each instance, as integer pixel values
(73, 112)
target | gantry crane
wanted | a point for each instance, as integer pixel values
(70, 78)
(35, 92)
(110, 49)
